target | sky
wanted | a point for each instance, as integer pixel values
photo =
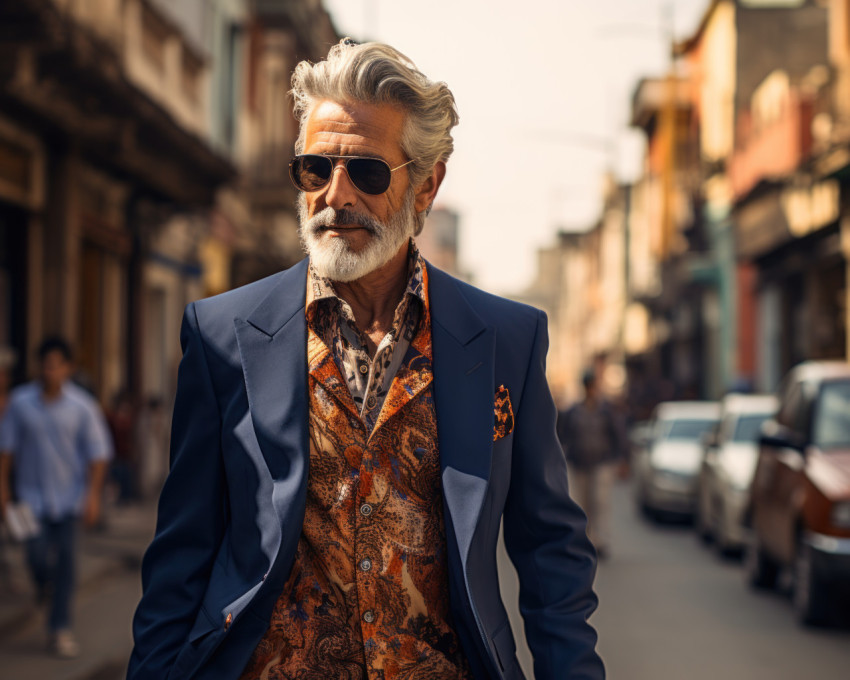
(543, 88)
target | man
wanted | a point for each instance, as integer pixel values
(593, 436)
(55, 435)
(349, 433)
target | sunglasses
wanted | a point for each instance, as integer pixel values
(310, 172)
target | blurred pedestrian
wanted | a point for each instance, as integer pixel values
(592, 433)
(8, 358)
(54, 434)
(121, 417)
(7, 363)
(152, 446)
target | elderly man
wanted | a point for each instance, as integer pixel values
(349, 433)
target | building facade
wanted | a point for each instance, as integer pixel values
(144, 150)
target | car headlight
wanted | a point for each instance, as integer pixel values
(841, 515)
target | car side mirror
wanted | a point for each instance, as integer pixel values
(778, 436)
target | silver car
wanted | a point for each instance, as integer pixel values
(667, 469)
(728, 466)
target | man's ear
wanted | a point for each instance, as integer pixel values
(427, 191)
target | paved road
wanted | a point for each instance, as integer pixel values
(109, 589)
(671, 610)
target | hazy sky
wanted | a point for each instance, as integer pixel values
(543, 88)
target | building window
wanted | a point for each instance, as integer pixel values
(15, 169)
(191, 74)
(155, 34)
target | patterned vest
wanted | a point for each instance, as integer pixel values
(368, 592)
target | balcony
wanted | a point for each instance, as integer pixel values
(771, 150)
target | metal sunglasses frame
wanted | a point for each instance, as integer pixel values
(333, 160)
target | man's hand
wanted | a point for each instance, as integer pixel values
(91, 510)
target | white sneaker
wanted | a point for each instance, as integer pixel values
(63, 644)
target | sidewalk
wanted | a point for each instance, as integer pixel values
(108, 588)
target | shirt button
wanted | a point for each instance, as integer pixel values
(369, 616)
(364, 369)
(365, 509)
(370, 402)
(366, 564)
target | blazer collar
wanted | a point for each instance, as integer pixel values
(450, 308)
(284, 300)
(464, 396)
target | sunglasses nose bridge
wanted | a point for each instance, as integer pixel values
(340, 190)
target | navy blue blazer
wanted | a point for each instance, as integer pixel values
(232, 508)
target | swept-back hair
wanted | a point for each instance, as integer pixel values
(375, 73)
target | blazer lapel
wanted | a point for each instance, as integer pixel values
(273, 347)
(464, 349)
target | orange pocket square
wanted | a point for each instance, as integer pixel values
(504, 414)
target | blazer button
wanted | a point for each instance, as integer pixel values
(228, 621)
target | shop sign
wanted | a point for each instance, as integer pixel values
(21, 167)
(761, 226)
(808, 209)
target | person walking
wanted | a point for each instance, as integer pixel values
(593, 436)
(348, 435)
(55, 435)
(8, 359)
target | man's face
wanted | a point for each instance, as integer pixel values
(55, 370)
(348, 233)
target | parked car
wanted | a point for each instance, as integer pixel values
(666, 469)
(730, 454)
(799, 507)
(640, 437)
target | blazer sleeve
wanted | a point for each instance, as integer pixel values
(191, 518)
(545, 537)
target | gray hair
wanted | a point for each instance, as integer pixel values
(375, 73)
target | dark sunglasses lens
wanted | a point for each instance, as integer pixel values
(370, 175)
(311, 172)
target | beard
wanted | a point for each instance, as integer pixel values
(334, 258)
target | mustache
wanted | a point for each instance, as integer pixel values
(333, 218)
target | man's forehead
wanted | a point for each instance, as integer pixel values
(355, 123)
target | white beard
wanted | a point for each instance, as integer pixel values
(334, 259)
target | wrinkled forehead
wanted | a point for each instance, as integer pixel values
(347, 128)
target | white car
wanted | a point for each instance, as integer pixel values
(667, 468)
(728, 466)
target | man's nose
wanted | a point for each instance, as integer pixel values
(341, 192)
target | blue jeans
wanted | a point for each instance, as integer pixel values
(51, 561)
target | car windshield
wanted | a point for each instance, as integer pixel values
(686, 428)
(832, 416)
(748, 427)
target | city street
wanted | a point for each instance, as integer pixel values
(109, 588)
(670, 609)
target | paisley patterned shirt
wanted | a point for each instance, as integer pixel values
(368, 378)
(367, 598)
